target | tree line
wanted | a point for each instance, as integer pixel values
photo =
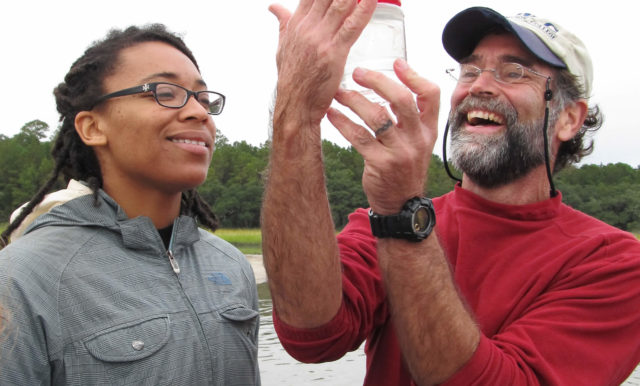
(235, 181)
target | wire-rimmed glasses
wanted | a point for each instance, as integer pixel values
(503, 73)
(173, 96)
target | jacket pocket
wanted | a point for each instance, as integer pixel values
(244, 318)
(130, 341)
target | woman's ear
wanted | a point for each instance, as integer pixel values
(571, 120)
(88, 128)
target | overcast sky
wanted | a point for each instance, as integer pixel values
(234, 42)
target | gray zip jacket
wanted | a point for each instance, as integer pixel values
(92, 298)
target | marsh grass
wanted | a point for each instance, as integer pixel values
(249, 241)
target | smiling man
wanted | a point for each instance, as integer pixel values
(511, 287)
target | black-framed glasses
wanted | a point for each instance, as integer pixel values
(503, 73)
(173, 96)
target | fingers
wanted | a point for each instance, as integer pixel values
(352, 27)
(374, 115)
(359, 137)
(428, 93)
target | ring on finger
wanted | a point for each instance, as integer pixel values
(384, 127)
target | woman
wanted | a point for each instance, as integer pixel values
(119, 286)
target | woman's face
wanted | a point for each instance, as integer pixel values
(149, 147)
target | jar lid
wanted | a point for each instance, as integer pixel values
(396, 2)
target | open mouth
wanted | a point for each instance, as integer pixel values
(484, 118)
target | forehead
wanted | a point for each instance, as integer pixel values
(142, 60)
(502, 47)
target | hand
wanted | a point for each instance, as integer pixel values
(313, 46)
(397, 157)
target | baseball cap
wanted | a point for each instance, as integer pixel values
(547, 40)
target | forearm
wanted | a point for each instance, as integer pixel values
(436, 333)
(299, 245)
(300, 249)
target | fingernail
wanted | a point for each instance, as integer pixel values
(402, 64)
(360, 72)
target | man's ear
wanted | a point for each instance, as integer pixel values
(89, 130)
(571, 120)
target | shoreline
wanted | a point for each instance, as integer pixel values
(258, 268)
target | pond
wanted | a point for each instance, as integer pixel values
(279, 368)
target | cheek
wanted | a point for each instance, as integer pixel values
(458, 94)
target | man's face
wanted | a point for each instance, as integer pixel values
(496, 128)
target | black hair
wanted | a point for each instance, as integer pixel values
(82, 86)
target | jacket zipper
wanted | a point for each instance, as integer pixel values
(172, 259)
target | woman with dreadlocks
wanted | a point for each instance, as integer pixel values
(120, 286)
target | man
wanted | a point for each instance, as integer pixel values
(512, 287)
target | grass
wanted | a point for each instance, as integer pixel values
(248, 241)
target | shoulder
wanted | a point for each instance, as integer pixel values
(219, 249)
(46, 247)
(576, 224)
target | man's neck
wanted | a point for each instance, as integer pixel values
(531, 188)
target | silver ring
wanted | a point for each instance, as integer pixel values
(384, 127)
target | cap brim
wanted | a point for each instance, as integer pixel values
(464, 31)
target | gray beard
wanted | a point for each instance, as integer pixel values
(493, 160)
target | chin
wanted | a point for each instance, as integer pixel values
(189, 180)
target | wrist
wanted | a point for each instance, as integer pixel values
(414, 222)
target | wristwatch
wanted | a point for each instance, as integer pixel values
(414, 222)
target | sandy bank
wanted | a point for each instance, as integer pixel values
(258, 268)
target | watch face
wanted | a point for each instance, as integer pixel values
(421, 219)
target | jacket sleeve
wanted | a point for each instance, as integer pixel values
(363, 303)
(31, 329)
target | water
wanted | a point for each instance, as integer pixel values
(279, 368)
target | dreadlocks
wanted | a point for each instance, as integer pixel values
(82, 86)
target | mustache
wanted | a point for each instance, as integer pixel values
(458, 115)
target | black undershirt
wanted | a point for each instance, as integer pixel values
(165, 234)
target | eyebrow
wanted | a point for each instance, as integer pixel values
(170, 76)
(503, 59)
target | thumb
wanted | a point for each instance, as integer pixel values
(281, 13)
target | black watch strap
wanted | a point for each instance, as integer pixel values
(414, 222)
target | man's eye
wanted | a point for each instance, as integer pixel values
(468, 74)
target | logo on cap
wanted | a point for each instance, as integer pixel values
(548, 28)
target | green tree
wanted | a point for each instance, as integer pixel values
(607, 192)
(234, 184)
(343, 170)
(26, 165)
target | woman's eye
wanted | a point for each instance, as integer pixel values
(165, 95)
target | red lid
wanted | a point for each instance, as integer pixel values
(396, 2)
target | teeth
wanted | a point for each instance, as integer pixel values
(484, 115)
(189, 141)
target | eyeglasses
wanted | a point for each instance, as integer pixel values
(503, 73)
(173, 96)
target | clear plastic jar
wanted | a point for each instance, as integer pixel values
(380, 44)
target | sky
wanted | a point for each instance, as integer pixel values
(235, 42)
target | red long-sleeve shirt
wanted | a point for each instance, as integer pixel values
(555, 292)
